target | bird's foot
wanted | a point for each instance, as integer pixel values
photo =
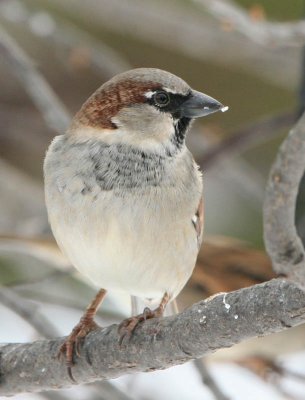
(73, 343)
(128, 326)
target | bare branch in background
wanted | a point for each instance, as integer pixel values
(248, 181)
(209, 325)
(21, 201)
(52, 109)
(28, 311)
(56, 396)
(282, 241)
(187, 31)
(209, 381)
(68, 37)
(259, 31)
(241, 175)
(245, 138)
(109, 391)
(100, 55)
(43, 248)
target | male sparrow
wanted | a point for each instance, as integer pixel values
(124, 194)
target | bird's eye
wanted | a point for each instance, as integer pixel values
(161, 99)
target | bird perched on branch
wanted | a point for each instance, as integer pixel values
(124, 195)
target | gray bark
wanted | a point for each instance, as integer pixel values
(218, 322)
(282, 242)
(215, 323)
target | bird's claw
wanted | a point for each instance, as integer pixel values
(128, 326)
(72, 344)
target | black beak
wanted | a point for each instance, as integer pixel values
(199, 105)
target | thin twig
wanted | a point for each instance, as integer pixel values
(259, 31)
(102, 57)
(68, 36)
(209, 381)
(252, 135)
(242, 176)
(110, 391)
(172, 25)
(56, 396)
(281, 239)
(52, 109)
(75, 304)
(28, 311)
(43, 248)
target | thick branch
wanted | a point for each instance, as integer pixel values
(282, 241)
(209, 325)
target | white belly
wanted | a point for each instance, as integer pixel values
(129, 244)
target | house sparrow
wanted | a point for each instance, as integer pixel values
(124, 195)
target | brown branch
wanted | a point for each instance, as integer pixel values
(281, 239)
(209, 325)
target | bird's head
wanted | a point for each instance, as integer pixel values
(146, 107)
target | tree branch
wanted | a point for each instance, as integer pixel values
(251, 135)
(281, 239)
(209, 381)
(68, 36)
(52, 109)
(219, 322)
(263, 32)
(28, 311)
(172, 25)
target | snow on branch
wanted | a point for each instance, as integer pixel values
(215, 323)
(221, 321)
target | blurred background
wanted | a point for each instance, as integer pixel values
(247, 54)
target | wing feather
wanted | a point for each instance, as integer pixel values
(198, 221)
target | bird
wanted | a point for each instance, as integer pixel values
(124, 195)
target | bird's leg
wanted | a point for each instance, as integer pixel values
(127, 327)
(81, 330)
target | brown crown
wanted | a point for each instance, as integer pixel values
(109, 99)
